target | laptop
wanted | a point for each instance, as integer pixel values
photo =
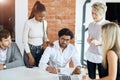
(64, 77)
(68, 77)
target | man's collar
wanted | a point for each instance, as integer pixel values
(3, 49)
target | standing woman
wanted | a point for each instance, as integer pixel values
(94, 52)
(111, 52)
(34, 33)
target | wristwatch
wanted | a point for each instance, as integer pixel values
(4, 66)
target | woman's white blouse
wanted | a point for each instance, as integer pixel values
(33, 33)
(94, 53)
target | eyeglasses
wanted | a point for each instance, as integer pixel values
(62, 39)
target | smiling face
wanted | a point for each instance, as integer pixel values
(40, 16)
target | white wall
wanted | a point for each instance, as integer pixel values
(79, 8)
(21, 13)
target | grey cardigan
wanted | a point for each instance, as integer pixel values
(14, 57)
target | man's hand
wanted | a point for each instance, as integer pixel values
(52, 69)
(1, 66)
(76, 70)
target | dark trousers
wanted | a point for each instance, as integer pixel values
(36, 52)
(92, 69)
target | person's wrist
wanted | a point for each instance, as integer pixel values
(80, 66)
(4, 66)
(48, 68)
(30, 56)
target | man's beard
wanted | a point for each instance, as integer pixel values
(63, 45)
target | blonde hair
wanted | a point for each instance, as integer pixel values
(99, 8)
(111, 39)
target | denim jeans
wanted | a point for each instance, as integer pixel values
(36, 52)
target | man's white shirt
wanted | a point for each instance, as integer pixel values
(58, 58)
(3, 56)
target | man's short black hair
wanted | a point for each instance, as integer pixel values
(4, 34)
(67, 32)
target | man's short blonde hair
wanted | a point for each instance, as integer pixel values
(99, 8)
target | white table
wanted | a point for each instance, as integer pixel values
(23, 73)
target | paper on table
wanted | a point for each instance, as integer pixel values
(65, 71)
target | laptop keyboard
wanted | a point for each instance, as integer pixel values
(64, 77)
